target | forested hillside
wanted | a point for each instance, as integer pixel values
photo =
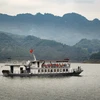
(17, 47)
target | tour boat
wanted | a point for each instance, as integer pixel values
(42, 68)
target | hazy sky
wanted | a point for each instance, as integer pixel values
(88, 8)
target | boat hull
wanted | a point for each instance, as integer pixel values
(42, 74)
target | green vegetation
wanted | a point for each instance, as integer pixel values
(17, 47)
(95, 56)
(91, 46)
(93, 49)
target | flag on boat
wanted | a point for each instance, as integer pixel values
(31, 50)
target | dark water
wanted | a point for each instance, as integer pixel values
(85, 87)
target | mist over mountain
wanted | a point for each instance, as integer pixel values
(17, 47)
(92, 46)
(68, 29)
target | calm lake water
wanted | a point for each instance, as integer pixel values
(84, 87)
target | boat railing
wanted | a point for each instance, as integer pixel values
(55, 65)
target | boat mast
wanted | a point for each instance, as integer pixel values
(34, 57)
(31, 51)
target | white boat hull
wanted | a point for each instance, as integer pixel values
(43, 74)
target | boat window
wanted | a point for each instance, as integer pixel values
(57, 70)
(54, 70)
(42, 70)
(21, 70)
(39, 70)
(45, 70)
(63, 70)
(33, 62)
(51, 70)
(38, 64)
(66, 70)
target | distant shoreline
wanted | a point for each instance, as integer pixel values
(92, 61)
(71, 61)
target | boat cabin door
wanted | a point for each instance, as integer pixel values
(12, 69)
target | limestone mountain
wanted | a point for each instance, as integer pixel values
(68, 29)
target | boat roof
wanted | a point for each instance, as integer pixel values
(15, 65)
(32, 61)
(48, 61)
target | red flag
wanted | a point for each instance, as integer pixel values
(31, 50)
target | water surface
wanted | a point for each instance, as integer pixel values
(84, 87)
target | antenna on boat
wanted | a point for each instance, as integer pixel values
(31, 51)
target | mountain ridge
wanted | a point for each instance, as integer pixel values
(68, 29)
(17, 47)
(37, 14)
(43, 49)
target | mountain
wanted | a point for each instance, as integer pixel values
(17, 47)
(68, 29)
(95, 56)
(91, 46)
(9, 47)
